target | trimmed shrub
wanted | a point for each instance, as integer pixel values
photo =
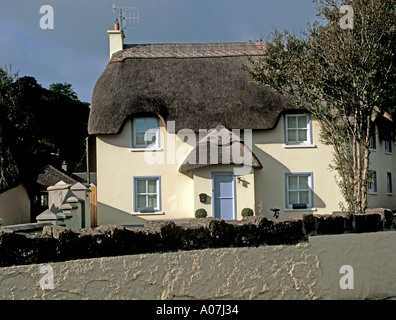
(247, 212)
(201, 213)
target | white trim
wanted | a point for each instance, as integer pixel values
(157, 213)
(296, 146)
(300, 210)
(145, 149)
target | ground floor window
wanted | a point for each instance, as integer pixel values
(299, 190)
(147, 191)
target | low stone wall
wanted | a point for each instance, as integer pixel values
(310, 270)
(58, 243)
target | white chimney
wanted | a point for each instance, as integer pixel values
(116, 39)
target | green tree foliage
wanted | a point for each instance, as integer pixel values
(43, 123)
(65, 89)
(344, 77)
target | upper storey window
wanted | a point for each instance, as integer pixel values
(145, 133)
(298, 129)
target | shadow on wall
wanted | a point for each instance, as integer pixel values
(270, 186)
(110, 215)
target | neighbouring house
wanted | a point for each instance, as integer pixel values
(181, 126)
(49, 176)
(14, 197)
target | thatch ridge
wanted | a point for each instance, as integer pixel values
(195, 92)
(190, 50)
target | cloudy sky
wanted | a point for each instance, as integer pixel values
(76, 49)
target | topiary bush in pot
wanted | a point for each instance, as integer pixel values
(201, 213)
(247, 212)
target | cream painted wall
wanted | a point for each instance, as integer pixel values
(117, 165)
(244, 189)
(278, 160)
(15, 206)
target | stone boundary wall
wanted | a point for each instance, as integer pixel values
(58, 243)
(306, 271)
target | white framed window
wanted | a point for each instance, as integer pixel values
(372, 182)
(298, 130)
(389, 185)
(299, 190)
(147, 194)
(388, 146)
(145, 133)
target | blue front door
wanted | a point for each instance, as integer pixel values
(223, 195)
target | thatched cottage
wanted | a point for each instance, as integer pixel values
(175, 123)
(14, 198)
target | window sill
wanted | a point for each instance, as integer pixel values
(145, 149)
(372, 150)
(300, 210)
(372, 193)
(295, 146)
(156, 213)
(388, 153)
(389, 194)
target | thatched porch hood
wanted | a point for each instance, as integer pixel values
(199, 86)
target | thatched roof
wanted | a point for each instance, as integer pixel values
(197, 85)
(50, 175)
(9, 170)
(220, 146)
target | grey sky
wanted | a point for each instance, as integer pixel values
(76, 50)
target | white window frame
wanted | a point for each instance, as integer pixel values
(372, 185)
(389, 183)
(388, 146)
(140, 147)
(157, 209)
(298, 144)
(310, 204)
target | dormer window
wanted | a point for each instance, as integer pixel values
(145, 133)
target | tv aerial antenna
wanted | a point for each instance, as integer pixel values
(125, 14)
